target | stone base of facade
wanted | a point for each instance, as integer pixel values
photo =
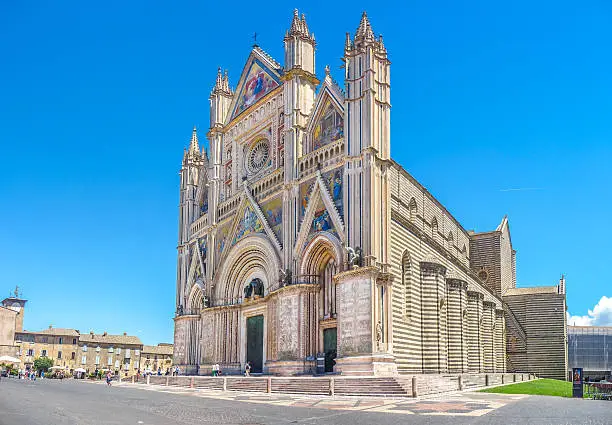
(367, 365)
(290, 367)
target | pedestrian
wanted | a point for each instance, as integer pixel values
(214, 370)
(247, 369)
(159, 371)
(109, 378)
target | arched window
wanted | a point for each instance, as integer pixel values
(413, 209)
(434, 228)
(406, 285)
(450, 240)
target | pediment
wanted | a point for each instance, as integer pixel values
(249, 219)
(321, 214)
(326, 123)
(260, 76)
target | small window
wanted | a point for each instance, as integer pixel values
(136, 364)
(73, 341)
(73, 356)
(59, 355)
(118, 350)
(116, 363)
(97, 360)
(110, 361)
(43, 353)
(61, 340)
(137, 352)
(98, 349)
(85, 348)
(83, 359)
(30, 352)
(110, 349)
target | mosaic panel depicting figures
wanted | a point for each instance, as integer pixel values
(329, 127)
(305, 194)
(249, 223)
(333, 179)
(222, 235)
(258, 83)
(273, 210)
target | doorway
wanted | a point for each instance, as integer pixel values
(254, 351)
(330, 340)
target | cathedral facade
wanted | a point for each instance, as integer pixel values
(300, 238)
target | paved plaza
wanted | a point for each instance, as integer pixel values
(77, 402)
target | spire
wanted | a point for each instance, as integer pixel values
(194, 148)
(364, 31)
(219, 83)
(299, 27)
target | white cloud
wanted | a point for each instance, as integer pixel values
(601, 315)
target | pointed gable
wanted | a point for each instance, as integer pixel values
(249, 223)
(326, 123)
(260, 76)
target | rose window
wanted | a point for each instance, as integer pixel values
(258, 156)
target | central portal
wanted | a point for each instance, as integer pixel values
(254, 350)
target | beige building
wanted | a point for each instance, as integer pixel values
(119, 353)
(300, 237)
(59, 344)
(156, 357)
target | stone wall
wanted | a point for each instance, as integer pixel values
(540, 314)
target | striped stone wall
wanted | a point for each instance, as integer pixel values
(438, 326)
(540, 312)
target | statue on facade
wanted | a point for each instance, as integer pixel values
(179, 310)
(354, 257)
(285, 277)
(254, 288)
(378, 333)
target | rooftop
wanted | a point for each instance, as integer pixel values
(532, 290)
(53, 332)
(110, 339)
(164, 349)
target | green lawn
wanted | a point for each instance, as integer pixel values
(537, 387)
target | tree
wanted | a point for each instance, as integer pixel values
(43, 364)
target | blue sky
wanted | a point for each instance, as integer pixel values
(98, 99)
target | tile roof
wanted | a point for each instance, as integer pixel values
(110, 339)
(158, 349)
(54, 332)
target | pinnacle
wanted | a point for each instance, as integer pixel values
(194, 147)
(365, 28)
(299, 27)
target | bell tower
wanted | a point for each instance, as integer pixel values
(367, 132)
(299, 88)
(188, 211)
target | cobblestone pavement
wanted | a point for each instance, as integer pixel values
(77, 402)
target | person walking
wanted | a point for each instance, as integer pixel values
(109, 378)
(247, 369)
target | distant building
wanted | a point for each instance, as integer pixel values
(154, 357)
(590, 347)
(71, 349)
(59, 344)
(11, 321)
(118, 353)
